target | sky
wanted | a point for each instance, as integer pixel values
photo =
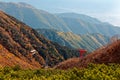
(104, 10)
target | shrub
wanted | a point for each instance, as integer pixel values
(92, 72)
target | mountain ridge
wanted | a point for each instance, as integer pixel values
(37, 18)
(78, 24)
(90, 42)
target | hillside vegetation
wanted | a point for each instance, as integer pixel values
(9, 59)
(92, 72)
(19, 39)
(106, 54)
(90, 42)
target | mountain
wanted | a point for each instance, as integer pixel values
(107, 54)
(67, 22)
(82, 24)
(32, 16)
(24, 44)
(90, 42)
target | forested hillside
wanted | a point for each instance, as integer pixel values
(90, 42)
(21, 40)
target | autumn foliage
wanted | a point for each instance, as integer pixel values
(106, 54)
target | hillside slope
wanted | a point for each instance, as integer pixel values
(9, 59)
(19, 39)
(32, 16)
(90, 42)
(107, 54)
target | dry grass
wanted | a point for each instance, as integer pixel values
(107, 54)
(9, 59)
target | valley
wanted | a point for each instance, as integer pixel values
(38, 45)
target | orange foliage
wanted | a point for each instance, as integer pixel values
(106, 55)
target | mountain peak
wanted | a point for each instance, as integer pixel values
(22, 4)
(19, 4)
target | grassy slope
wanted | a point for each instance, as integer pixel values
(106, 54)
(89, 42)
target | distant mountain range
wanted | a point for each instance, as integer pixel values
(67, 22)
(90, 42)
(21, 44)
(82, 24)
(32, 16)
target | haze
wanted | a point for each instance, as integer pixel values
(105, 10)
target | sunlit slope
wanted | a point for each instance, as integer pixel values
(89, 42)
(105, 55)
